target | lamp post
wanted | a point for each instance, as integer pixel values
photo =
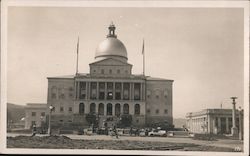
(50, 111)
(240, 125)
(234, 129)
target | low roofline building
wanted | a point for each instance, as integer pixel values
(35, 113)
(212, 121)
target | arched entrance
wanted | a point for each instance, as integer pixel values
(101, 109)
(125, 108)
(109, 109)
(117, 109)
(81, 108)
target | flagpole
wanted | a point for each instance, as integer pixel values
(143, 53)
(77, 56)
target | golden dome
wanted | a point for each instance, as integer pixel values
(111, 47)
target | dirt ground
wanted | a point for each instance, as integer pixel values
(63, 142)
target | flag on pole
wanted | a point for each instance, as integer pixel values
(143, 47)
(77, 52)
(78, 45)
(143, 53)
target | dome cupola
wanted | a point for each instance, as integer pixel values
(111, 47)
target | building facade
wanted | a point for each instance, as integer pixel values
(215, 121)
(35, 114)
(109, 91)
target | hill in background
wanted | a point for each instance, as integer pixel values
(15, 112)
(179, 122)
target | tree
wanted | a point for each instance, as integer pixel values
(126, 120)
(91, 118)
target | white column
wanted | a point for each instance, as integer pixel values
(132, 91)
(96, 108)
(121, 108)
(113, 90)
(105, 109)
(105, 91)
(86, 108)
(131, 109)
(227, 125)
(113, 109)
(213, 127)
(219, 124)
(86, 91)
(141, 98)
(122, 91)
(97, 90)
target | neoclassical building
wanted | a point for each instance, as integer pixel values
(110, 90)
(214, 121)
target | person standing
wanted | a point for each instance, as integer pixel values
(34, 130)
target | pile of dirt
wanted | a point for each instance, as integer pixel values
(63, 142)
(39, 142)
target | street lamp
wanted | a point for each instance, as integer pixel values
(234, 129)
(51, 108)
(240, 125)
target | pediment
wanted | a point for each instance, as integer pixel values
(110, 62)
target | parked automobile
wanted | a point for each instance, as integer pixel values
(142, 132)
(88, 131)
(157, 132)
(120, 131)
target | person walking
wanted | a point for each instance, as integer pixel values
(116, 134)
(34, 130)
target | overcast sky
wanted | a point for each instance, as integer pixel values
(201, 49)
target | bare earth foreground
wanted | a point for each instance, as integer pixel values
(64, 142)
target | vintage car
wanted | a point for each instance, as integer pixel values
(88, 131)
(157, 132)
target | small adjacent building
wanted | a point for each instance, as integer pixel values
(213, 121)
(35, 114)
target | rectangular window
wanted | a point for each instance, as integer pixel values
(61, 109)
(53, 95)
(33, 113)
(33, 123)
(82, 90)
(126, 92)
(70, 109)
(157, 111)
(118, 88)
(43, 114)
(110, 90)
(166, 111)
(93, 90)
(137, 91)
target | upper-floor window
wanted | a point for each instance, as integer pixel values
(126, 71)
(53, 95)
(70, 109)
(157, 94)
(61, 109)
(166, 111)
(110, 71)
(148, 110)
(148, 93)
(118, 71)
(165, 93)
(157, 111)
(102, 71)
(43, 114)
(33, 113)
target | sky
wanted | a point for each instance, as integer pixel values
(201, 49)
